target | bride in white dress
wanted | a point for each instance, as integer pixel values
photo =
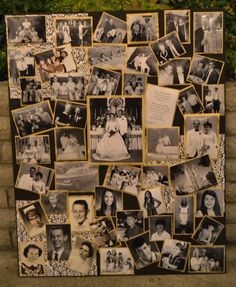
(111, 147)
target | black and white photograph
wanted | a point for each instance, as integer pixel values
(115, 131)
(33, 118)
(134, 84)
(77, 31)
(58, 242)
(82, 259)
(107, 56)
(184, 214)
(160, 227)
(189, 101)
(31, 91)
(103, 82)
(76, 176)
(57, 60)
(174, 255)
(67, 87)
(178, 21)
(124, 178)
(54, 203)
(142, 28)
(155, 175)
(21, 63)
(174, 72)
(116, 261)
(202, 135)
(110, 29)
(162, 144)
(204, 259)
(167, 48)
(35, 178)
(208, 231)
(34, 218)
(107, 201)
(143, 251)
(151, 201)
(104, 232)
(208, 32)
(192, 175)
(141, 60)
(80, 210)
(32, 258)
(33, 149)
(213, 96)
(129, 223)
(204, 70)
(210, 202)
(26, 29)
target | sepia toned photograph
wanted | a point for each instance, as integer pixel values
(31, 91)
(134, 84)
(160, 227)
(155, 175)
(214, 98)
(54, 203)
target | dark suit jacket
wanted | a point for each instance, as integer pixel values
(64, 256)
(199, 34)
(213, 79)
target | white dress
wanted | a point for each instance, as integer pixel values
(183, 215)
(210, 144)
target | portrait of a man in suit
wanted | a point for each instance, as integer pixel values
(199, 34)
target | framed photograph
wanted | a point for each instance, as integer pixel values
(55, 202)
(160, 227)
(31, 91)
(134, 84)
(213, 98)
(155, 175)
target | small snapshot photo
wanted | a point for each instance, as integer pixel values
(34, 218)
(130, 223)
(104, 232)
(178, 21)
(142, 28)
(67, 87)
(174, 255)
(77, 31)
(54, 203)
(205, 70)
(174, 72)
(151, 201)
(115, 131)
(208, 32)
(204, 259)
(70, 144)
(110, 29)
(35, 178)
(210, 202)
(58, 242)
(33, 149)
(141, 59)
(155, 175)
(184, 214)
(202, 135)
(167, 48)
(33, 118)
(208, 231)
(214, 98)
(143, 251)
(192, 175)
(134, 84)
(82, 259)
(160, 227)
(76, 176)
(107, 56)
(32, 258)
(107, 201)
(162, 144)
(103, 82)
(21, 63)
(31, 91)
(26, 29)
(189, 101)
(57, 60)
(80, 209)
(124, 178)
(116, 261)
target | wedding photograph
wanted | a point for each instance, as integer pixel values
(115, 131)
(31, 92)
(155, 175)
(214, 98)
(134, 84)
(160, 227)
(55, 203)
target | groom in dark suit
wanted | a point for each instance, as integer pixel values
(199, 34)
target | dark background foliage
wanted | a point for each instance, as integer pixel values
(71, 6)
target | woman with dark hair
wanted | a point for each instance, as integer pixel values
(209, 204)
(108, 204)
(30, 266)
(151, 204)
(209, 141)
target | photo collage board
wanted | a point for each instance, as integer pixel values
(118, 134)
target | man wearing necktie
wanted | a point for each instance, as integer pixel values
(199, 34)
(194, 140)
(212, 74)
